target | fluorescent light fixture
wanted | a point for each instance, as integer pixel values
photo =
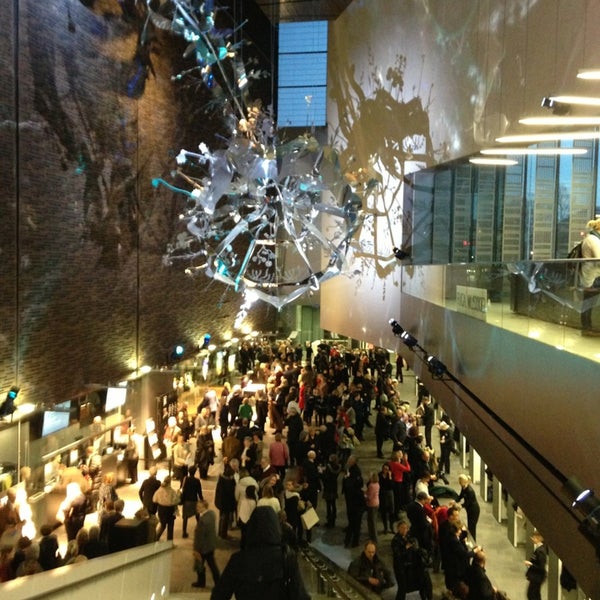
(548, 137)
(583, 100)
(534, 151)
(558, 121)
(588, 74)
(499, 162)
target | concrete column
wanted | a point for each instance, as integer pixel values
(529, 529)
(483, 481)
(498, 508)
(462, 449)
(474, 465)
(553, 581)
(514, 526)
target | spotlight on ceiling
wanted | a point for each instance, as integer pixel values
(8, 406)
(436, 367)
(557, 108)
(408, 339)
(400, 254)
(396, 327)
(584, 500)
(177, 352)
(579, 496)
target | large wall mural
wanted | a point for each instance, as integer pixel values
(427, 82)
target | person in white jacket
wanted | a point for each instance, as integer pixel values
(589, 274)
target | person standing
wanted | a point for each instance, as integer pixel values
(131, 458)
(205, 451)
(372, 501)
(536, 567)
(409, 567)
(352, 488)
(167, 500)
(225, 500)
(427, 414)
(72, 510)
(279, 455)
(191, 493)
(50, 557)
(590, 271)
(421, 524)
(399, 467)
(329, 477)
(264, 568)
(382, 429)
(446, 448)
(470, 504)
(295, 426)
(180, 452)
(480, 586)
(9, 511)
(386, 498)
(147, 490)
(106, 492)
(205, 543)
(311, 479)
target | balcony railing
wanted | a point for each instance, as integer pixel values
(537, 299)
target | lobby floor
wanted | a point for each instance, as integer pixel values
(505, 563)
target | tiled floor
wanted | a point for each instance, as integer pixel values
(505, 563)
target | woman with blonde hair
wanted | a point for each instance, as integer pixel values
(106, 492)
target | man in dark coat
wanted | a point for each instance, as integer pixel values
(382, 429)
(295, 426)
(410, 567)
(369, 570)
(205, 543)
(421, 526)
(536, 567)
(147, 489)
(480, 586)
(113, 514)
(352, 488)
(265, 567)
(225, 500)
(457, 561)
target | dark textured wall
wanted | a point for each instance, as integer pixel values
(83, 291)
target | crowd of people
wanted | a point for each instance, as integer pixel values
(318, 406)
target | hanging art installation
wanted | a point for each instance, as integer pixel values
(271, 219)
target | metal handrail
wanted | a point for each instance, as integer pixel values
(332, 580)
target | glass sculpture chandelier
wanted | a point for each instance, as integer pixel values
(273, 220)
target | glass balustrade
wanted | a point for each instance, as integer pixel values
(538, 299)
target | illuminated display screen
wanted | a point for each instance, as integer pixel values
(115, 397)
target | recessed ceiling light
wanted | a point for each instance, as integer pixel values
(583, 100)
(480, 160)
(557, 121)
(588, 74)
(535, 151)
(548, 137)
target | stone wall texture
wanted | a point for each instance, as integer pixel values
(83, 290)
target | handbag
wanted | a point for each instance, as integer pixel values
(309, 518)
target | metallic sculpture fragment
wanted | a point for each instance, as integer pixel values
(271, 219)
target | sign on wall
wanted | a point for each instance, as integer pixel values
(472, 301)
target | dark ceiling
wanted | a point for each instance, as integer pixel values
(302, 10)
